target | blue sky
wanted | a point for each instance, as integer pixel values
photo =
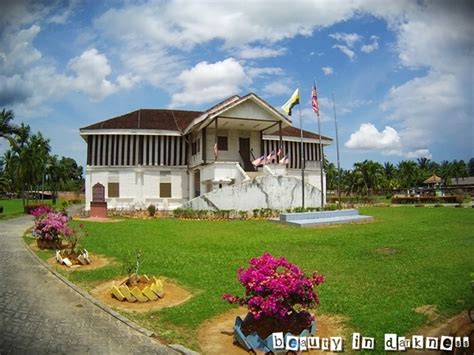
(401, 71)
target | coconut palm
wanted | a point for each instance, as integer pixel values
(7, 129)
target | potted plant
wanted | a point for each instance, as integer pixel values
(137, 287)
(49, 229)
(278, 296)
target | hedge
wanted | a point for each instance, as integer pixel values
(424, 199)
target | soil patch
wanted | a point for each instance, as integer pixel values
(216, 336)
(430, 311)
(458, 326)
(174, 296)
(97, 261)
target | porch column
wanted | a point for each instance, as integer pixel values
(215, 141)
(204, 145)
(281, 137)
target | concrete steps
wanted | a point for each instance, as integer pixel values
(311, 219)
(254, 174)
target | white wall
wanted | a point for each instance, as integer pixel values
(139, 186)
(276, 192)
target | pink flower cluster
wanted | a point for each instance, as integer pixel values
(274, 287)
(41, 210)
(52, 226)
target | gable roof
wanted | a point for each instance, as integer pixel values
(170, 120)
(295, 132)
(231, 102)
(433, 179)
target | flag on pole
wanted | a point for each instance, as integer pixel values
(258, 161)
(314, 100)
(293, 101)
(270, 157)
(216, 151)
(284, 160)
(279, 152)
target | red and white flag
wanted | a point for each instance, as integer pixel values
(216, 151)
(314, 100)
(259, 161)
(284, 160)
(270, 157)
(279, 152)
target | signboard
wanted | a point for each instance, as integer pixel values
(98, 193)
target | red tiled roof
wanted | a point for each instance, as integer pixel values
(295, 132)
(149, 119)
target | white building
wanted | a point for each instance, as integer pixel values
(168, 157)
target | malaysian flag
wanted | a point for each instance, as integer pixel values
(259, 161)
(314, 100)
(284, 160)
(270, 157)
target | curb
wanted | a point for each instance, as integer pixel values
(174, 347)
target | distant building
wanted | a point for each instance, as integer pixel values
(169, 157)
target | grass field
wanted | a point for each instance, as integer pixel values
(11, 208)
(376, 273)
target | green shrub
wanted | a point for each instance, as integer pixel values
(151, 210)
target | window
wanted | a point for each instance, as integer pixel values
(165, 189)
(222, 143)
(113, 189)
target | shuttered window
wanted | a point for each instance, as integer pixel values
(165, 189)
(113, 189)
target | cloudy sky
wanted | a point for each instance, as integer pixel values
(401, 71)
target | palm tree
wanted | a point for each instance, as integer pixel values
(459, 169)
(446, 172)
(408, 173)
(7, 129)
(371, 173)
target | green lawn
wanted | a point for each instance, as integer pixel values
(432, 261)
(11, 208)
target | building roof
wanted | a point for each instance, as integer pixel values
(463, 181)
(171, 120)
(179, 120)
(433, 179)
(295, 132)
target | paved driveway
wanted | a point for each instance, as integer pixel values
(40, 314)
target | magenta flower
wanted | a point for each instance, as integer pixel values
(274, 287)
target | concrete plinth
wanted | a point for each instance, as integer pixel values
(98, 209)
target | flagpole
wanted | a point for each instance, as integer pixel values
(337, 150)
(302, 155)
(321, 162)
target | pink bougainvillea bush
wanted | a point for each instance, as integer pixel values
(276, 288)
(52, 226)
(41, 211)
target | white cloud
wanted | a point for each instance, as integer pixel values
(349, 39)
(368, 137)
(92, 69)
(248, 52)
(369, 48)
(346, 50)
(327, 70)
(17, 52)
(206, 82)
(419, 153)
(265, 71)
(278, 88)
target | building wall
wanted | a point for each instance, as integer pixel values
(279, 193)
(139, 186)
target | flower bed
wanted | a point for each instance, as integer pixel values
(278, 296)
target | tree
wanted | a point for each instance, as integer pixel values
(446, 172)
(408, 174)
(371, 174)
(459, 169)
(471, 167)
(7, 129)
